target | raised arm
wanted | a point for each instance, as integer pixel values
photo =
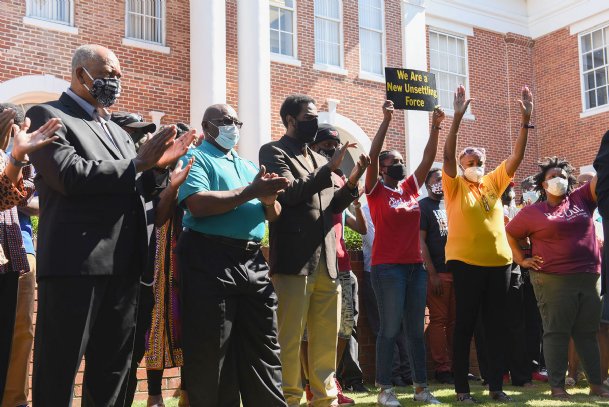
(431, 149)
(358, 222)
(526, 108)
(460, 105)
(377, 146)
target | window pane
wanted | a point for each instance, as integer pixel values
(52, 10)
(274, 18)
(590, 99)
(434, 59)
(371, 51)
(286, 44)
(587, 62)
(443, 43)
(275, 41)
(461, 48)
(327, 8)
(598, 57)
(433, 41)
(443, 62)
(461, 66)
(286, 21)
(589, 82)
(601, 96)
(145, 20)
(289, 3)
(601, 77)
(597, 39)
(452, 63)
(452, 46)
(586, 43)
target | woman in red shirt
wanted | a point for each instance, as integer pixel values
(564, 269)
(398, 277)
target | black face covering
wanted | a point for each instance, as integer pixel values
(328, 153)
(105, 90)
(306, 130)
(397, 171)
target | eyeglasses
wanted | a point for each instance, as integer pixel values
(227, 121)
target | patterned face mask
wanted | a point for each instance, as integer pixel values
(106, 91)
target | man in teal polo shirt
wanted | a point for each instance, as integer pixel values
(229, 323)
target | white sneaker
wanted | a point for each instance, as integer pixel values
(606, 382)
(387, 398)
(427, 397)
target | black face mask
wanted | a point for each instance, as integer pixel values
(397, 171)
(329, 153)
(105, 91)
(306, 130)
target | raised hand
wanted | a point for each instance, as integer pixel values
(437, 117)
(152, 150)
(265, 186)
(526, 104)
(179, 174)
(360, 168)
(388, 110)
(26, 143)
(339, 155)
(460, 103)
(177, 150)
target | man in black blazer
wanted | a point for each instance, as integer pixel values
(303, 250)
(92, 239)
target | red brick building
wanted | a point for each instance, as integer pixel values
(178, 57)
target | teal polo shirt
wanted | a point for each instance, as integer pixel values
(215, 171)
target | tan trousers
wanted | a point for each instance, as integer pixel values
(17, 383)
(312, 301)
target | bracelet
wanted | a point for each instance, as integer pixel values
(16, 162)
(527, 126)
(351, 185)
(434, 127)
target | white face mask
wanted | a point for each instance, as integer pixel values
(228, 136)
(530, 196)
(474, 174)
(557, 186)
(437, 188)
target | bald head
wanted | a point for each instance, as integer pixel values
(92, 54)
(585, 177)
(91, 62)
(219, 111)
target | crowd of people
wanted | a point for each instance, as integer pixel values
(149, 249)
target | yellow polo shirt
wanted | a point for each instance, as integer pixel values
(476, 231)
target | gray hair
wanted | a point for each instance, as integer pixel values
(85, 54)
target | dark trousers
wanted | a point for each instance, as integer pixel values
(229, 325)
(144, 318)
(9, 285)
(479, 289)
(401, 364)
(349, 371)
(533, 325)
(90, 316)
(516, 361)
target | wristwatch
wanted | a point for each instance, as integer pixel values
(16, 162)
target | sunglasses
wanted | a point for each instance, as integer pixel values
(226, 121)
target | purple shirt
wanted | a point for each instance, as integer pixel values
(563, 236)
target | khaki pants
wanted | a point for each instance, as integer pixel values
(312, 301)
(17, 383)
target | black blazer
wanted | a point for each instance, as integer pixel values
(92, 217)
(601, 165)
(304, 230)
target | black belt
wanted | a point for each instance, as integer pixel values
(246, 245)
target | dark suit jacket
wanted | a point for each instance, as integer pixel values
(92, 217)
(304, 228)
(601, 165)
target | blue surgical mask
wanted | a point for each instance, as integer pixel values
(228, 136)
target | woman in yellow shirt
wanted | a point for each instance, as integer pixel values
(477, 251)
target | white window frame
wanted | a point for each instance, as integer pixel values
(340, 70)
(371, 76)
(48, 24)
(449, 110)
(149, 45)
(288, 59)
(598, 109)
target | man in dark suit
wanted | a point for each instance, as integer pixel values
(303, 250)
(92, 236)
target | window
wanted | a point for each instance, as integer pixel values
(328, 41)
(448, 60)
(283, 27)
(145, 20)
(594, 47)
(57, 11)
(371, 36)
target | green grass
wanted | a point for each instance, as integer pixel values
(538, 396)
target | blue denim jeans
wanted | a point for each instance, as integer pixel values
(401, 293)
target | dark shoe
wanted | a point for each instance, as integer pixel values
(357, 388)
(466, 399)
(501, 397)
(444, 377)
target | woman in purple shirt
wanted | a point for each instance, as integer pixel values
(565, 269)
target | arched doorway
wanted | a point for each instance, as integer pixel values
(32, 89)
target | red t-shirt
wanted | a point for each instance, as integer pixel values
(564, 236)
(342, 255)
(396, 217)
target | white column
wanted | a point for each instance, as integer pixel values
(254, 76)
(414, 51)
(207, 56)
